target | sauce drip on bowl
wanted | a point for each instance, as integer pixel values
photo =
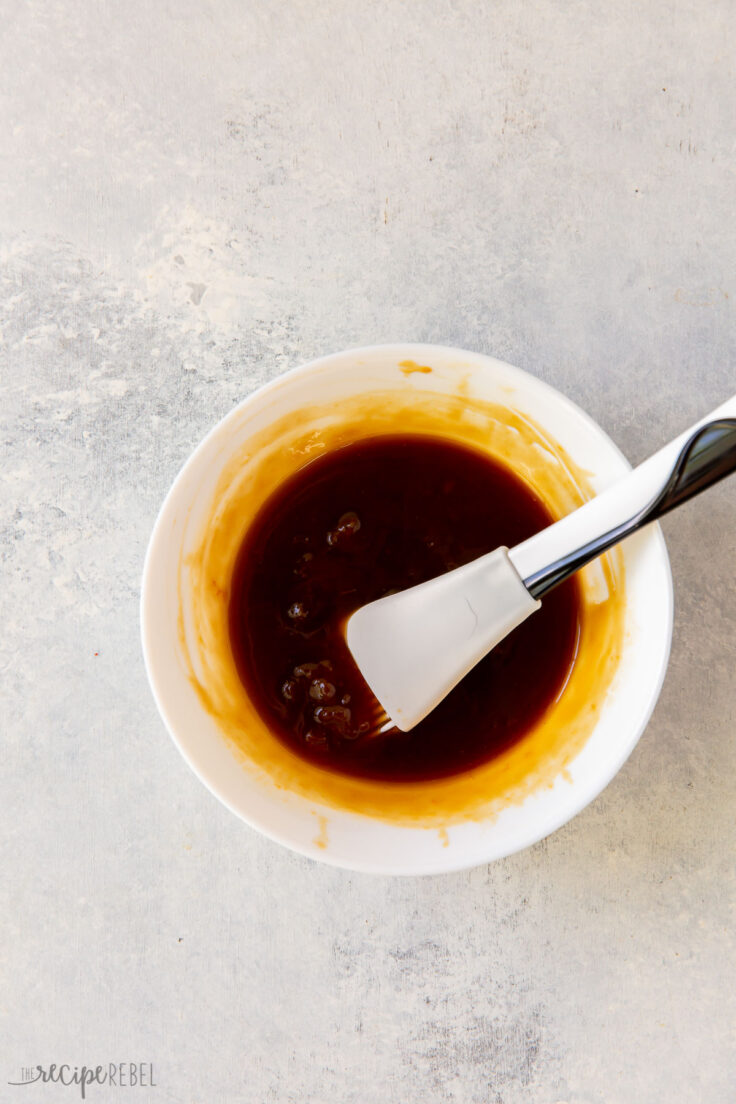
(379, 515)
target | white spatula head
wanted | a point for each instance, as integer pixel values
(413, 647)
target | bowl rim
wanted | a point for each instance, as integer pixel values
(585, 794)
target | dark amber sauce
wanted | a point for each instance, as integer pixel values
(381, 515)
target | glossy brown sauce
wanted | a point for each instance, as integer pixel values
(375, 516)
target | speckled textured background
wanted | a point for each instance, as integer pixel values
(194, 197)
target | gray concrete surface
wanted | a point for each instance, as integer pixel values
(194, 197)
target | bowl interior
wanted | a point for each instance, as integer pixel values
(421, 374)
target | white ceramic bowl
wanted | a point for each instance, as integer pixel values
(338, 836)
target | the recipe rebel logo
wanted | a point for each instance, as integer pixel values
(118, 1075)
